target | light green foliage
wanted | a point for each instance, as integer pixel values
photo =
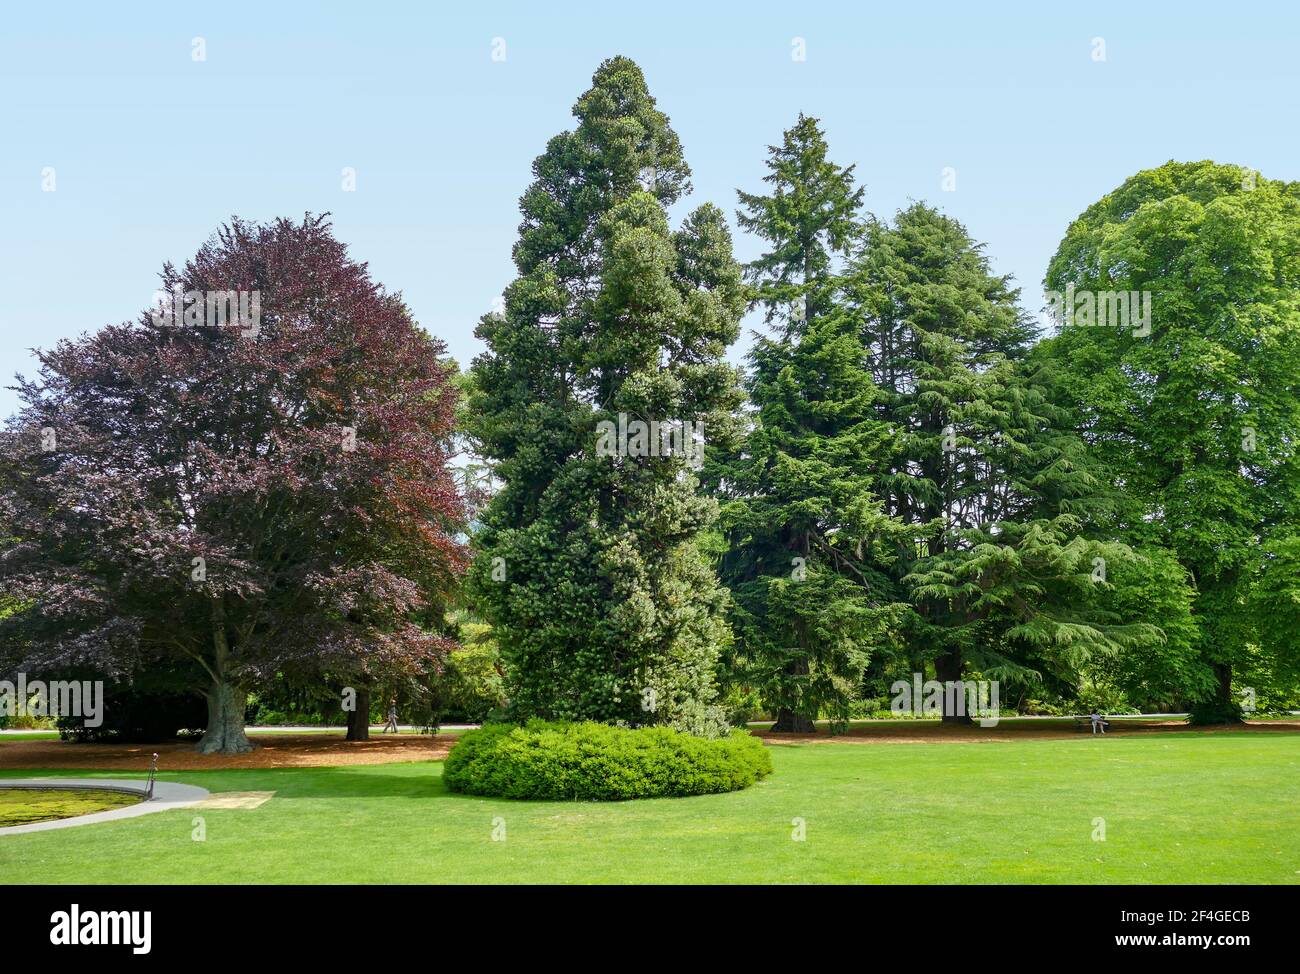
(1164, 674)
(1197, 420)
(470, 686)
(1273, 667)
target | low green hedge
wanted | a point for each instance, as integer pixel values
(598, 762)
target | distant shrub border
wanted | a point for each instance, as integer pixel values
(599, 762)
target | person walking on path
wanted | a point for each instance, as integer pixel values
(392, 717)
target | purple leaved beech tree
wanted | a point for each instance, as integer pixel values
(251, 479)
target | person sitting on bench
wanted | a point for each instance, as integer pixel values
(1098, 723)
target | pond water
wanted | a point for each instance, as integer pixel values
(23, 806)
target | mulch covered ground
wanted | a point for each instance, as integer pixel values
(331, 750)
(273, 751)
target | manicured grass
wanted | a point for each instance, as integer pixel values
(1180, 807)
(24, 806)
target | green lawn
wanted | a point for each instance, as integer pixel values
(1182, 807)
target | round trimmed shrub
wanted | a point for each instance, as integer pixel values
(599, 762)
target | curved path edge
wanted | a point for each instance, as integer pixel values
(166, 796)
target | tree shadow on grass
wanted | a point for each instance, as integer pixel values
(360, 782)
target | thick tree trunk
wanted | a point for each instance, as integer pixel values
(788, 722)
(226, 701)
(1227, 707)
(225, 733)
(359, 719)
(1223, 673)
(947, 669)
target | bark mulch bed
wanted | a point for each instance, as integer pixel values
(273, 751)
(934, 732)
(331, 750)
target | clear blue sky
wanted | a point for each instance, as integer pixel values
(152, 150)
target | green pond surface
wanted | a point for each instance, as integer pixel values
(23, 806)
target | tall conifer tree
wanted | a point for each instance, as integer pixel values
(997, 492)
(590, 568)
(803, 524)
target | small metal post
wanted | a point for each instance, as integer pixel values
(153, 771)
